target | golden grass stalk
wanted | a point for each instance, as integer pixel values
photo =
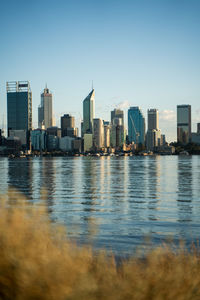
(38, 262)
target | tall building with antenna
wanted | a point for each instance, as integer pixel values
(45, 111)
(88, 113)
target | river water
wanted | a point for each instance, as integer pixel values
(117, 203)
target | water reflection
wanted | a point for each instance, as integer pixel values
(20, 173)
(3, 175)
(113, 202)
(47, 173)
(153, 186)
(137, 181)
(185, 189)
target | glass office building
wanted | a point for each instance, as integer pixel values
(88, 113)
(136, 126)
(184, 123)
(19, 106)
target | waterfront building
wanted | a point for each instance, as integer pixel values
(152, 119)
(88, 142)
(184, 123)
(136, 126)
(117, 137)
(52, 142)
(19, 106)
(68, 126)
(55, 131)
(77, 145)
(39, 139)
(195, 136)
(88, 113)
(45, 112)
(98, 134)
(117, 113)
(107, 128)
(198, 128)
(66, 143)
(21, 135)
(153, 137)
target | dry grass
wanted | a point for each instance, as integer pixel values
(37, 262)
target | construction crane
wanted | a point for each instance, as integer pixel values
(136, 133)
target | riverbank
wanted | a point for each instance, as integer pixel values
(37, 261)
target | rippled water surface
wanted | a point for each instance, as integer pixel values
(114, 202)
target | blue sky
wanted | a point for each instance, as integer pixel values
(138, 53)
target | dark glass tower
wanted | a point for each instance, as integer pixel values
(184, 123)
(19, 106)
(136, 126)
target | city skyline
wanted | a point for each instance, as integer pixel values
(142, 54)
(89, 114)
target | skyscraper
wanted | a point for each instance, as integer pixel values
(19, 106)
(45, 113)
(136, 126)
(117, 113)
(153, 138)
(152, 119)
(68, 126)
(88, 113)
(184, 123)
(98, 133)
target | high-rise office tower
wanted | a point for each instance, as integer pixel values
(152, 119)
(45, 113)
(19, 106)
(68, 126)
(184, 123)
(117, 113)
(88, 113)
(117, 134)
(198, 128)
(153, 138)
(107, 129)
(136, 126)
(98, 133)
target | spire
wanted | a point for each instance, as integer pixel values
(92, 86)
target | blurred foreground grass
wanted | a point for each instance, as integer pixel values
(38, 262)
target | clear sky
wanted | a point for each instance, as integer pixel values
(138, 53)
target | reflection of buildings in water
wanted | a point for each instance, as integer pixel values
(91, 168)
(90, 185)
(185, 189)
(137, 178)
(153, 185)
(67, 180)
(137, 185)
(20, 173)
(119, 184)
(47, 173)
(4, 175)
